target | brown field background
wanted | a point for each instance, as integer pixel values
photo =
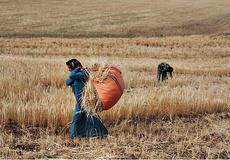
(113, 18)
(186, 117)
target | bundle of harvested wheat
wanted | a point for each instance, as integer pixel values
(91, 100)
(104, 88)
(98, 72)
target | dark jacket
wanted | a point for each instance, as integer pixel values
(162, 71)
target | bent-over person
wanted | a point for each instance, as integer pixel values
(162, 70)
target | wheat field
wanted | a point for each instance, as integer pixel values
(34, 96)
(185, 117)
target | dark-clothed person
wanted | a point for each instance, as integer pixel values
(162, 70)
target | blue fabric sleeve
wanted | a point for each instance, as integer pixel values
(75, 75)
(69, 81)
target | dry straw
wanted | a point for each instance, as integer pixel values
(91, 101)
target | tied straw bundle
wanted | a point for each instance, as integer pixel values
(91, 100)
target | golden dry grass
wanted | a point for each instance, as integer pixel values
(186, 117)
(113, 18)
(202, 136)
(146, 121)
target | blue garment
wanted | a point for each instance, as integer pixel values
(77, 80)
(83, 124)
(90, 125)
